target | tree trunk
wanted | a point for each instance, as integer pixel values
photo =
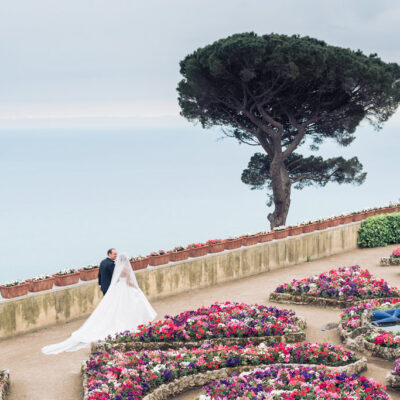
(281, 187)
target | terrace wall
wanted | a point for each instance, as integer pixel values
(38, 310)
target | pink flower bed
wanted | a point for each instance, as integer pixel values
(220, 320)
(346, 283)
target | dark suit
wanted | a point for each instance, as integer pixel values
(105, 274)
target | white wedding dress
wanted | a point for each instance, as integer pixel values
(124, 307)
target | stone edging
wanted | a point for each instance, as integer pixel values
(288, 298)
(355, 340)
(189, 382)
(393, 380)
(388, 261)
(5, 384)
(104, 347)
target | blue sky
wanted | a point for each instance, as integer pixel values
(94, 153)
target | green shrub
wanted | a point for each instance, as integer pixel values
(380, 230)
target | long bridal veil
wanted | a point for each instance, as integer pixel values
(124, 307)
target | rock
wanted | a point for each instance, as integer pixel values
(330, 327)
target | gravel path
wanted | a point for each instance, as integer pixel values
(38, 377)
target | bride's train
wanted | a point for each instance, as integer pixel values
(124, 307)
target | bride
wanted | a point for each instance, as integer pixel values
(124, 307)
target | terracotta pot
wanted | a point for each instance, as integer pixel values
(358, 217)
(309, 228)
(9, 292)
(198, 251)
(346, 219)
(140, 264)
(298, 230)
(89, 274)
(250, 240)
(364, 215)
(266, 237)
(281, 234)
(43, 284)
(387, 210)
(216, 248)
(233, 244)
(179, 255)
(333, 222)
(159, 260)
(65, 280)
(323, 225)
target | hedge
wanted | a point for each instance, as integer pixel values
(380, 230)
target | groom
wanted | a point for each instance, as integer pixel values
(106, 270)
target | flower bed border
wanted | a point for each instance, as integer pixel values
(5, 383)
(388, 261)
(288, 298)
(293, 337)
(189, 382)
(393, 381)
(355, 339)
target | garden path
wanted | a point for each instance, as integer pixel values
(39, 377)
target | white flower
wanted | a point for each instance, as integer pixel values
(41, 277)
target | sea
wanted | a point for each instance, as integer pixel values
(67, 195)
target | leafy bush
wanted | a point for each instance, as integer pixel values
(380, 230)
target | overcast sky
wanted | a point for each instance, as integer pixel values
(117, 62)
(75, 66)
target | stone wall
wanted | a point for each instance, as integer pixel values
(38, 310)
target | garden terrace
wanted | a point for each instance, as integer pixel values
(32, 371)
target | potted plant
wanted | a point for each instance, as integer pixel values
(322, 224)
(90, 272)
(14, 289)
(139, 262)
(40, 283)
(179, 253)
(280, 232)
(68, 276)
(158, 258)
(309, 226)
(215, 245)
(371, 211)
(345, 218)
(380, 210)
(358, 216)
(233, 242)
(265, 236)
(333, 221)
(295, 229)
(197, 249)
(250, 239)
